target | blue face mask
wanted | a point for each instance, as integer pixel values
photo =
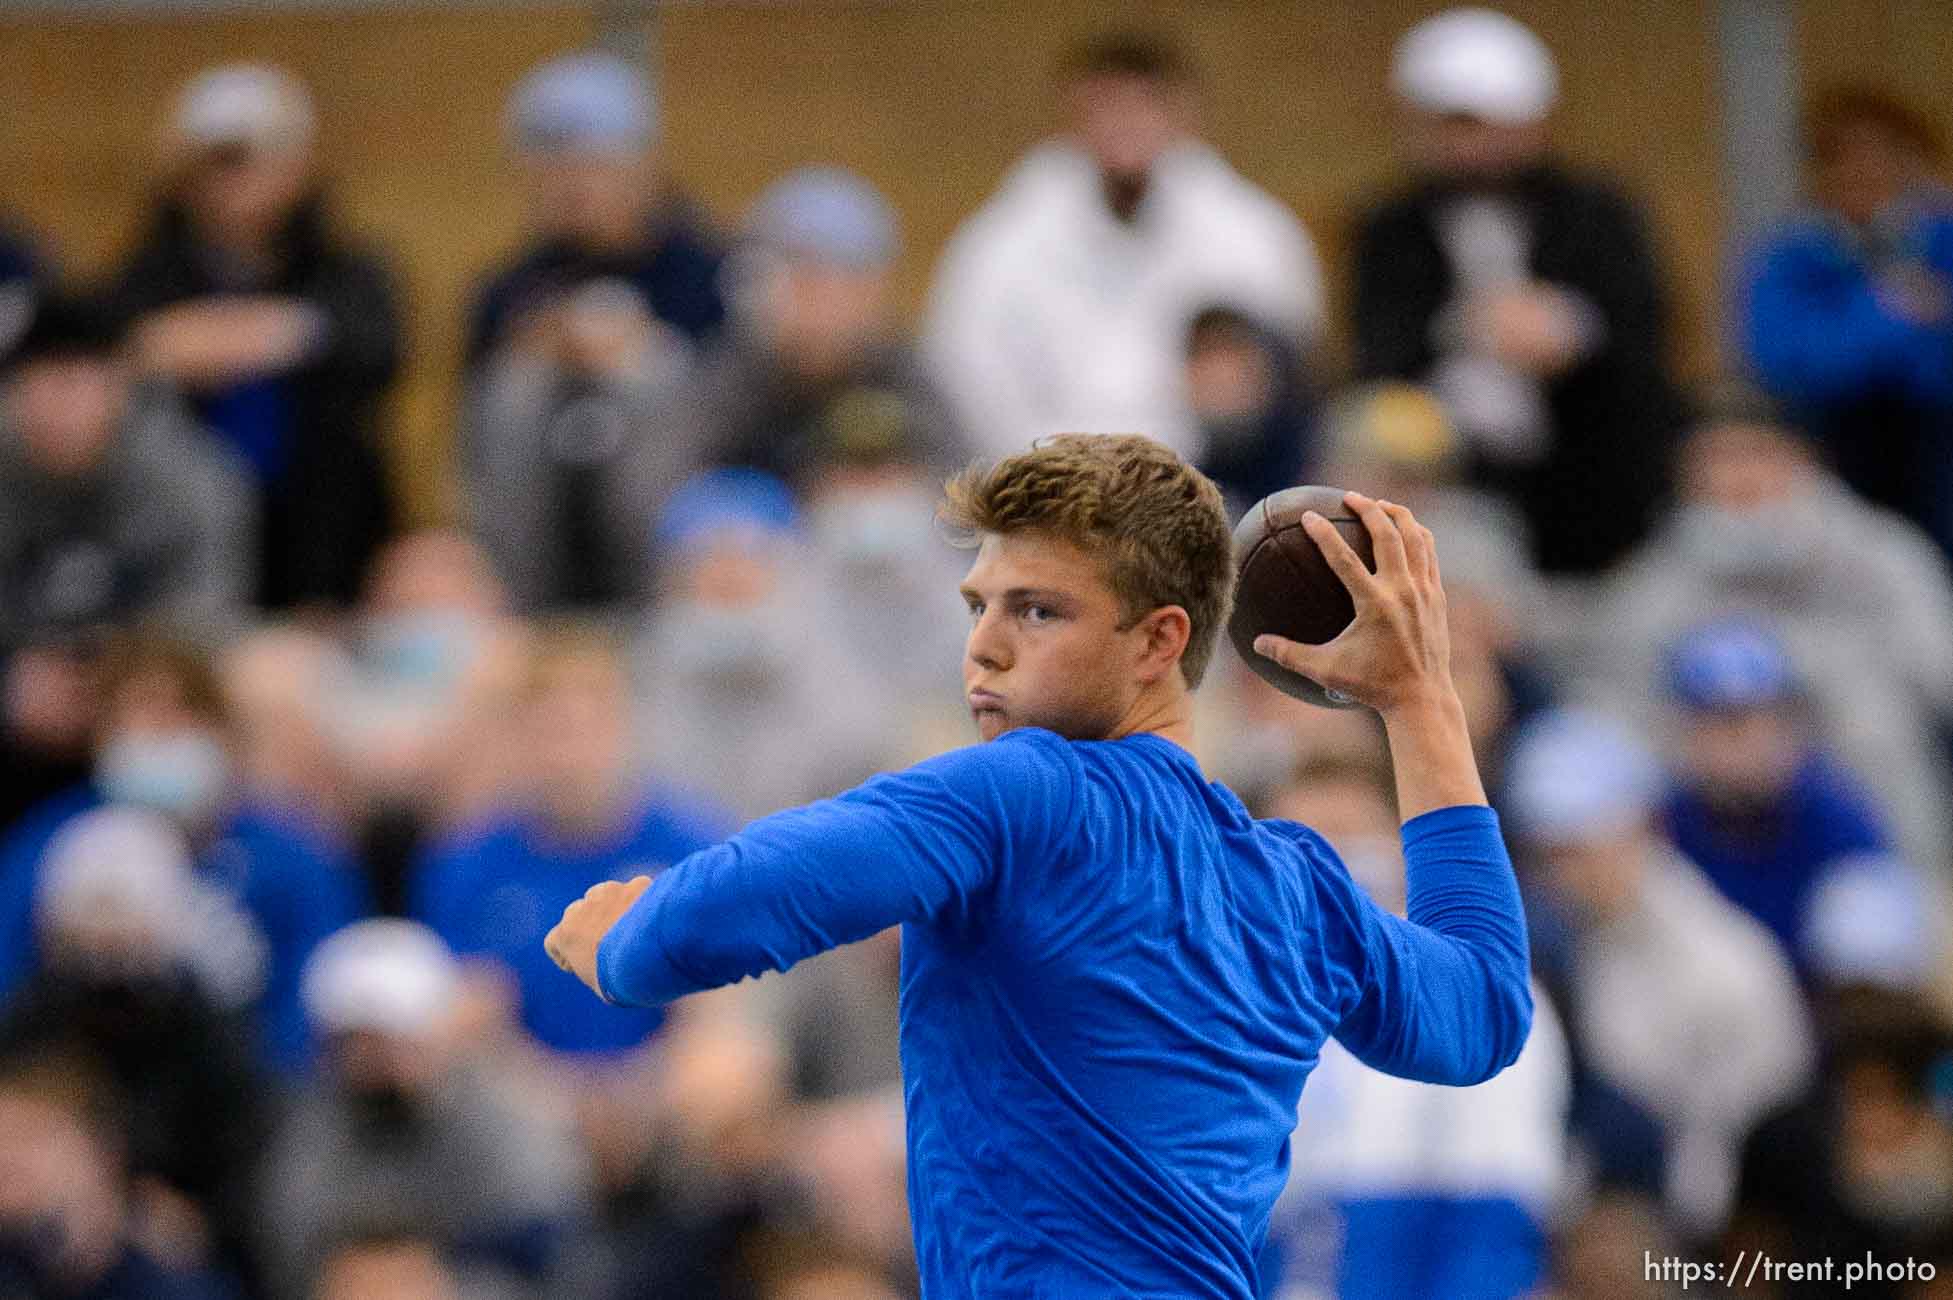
(430, 649)
(182, 773)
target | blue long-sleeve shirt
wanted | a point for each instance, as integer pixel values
(1114, 982)
(1818, 332)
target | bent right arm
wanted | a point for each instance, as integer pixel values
(1446, 995)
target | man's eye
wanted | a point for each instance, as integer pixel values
(976, 609)
(1037, 613)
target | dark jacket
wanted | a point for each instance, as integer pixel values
(676, 269)
(327, 508)
(1613, 415)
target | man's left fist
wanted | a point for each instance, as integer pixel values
(573, 943)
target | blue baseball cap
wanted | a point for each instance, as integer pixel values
(827, 213)
(1731, 663)
(590, 102)
(749, 503)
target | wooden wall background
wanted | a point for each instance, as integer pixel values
(928, 98)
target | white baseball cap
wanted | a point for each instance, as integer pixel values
(251, 104)
(1576, 773)
(1478, 62)
(120, 865)
(385, 975)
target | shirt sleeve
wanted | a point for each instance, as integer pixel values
(1445, 996)
(921, 845)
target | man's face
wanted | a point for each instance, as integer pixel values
(596, 199)
(65, 410)
(1127, 122)
(1462, 147)
(1743, 467)
(237, 190)
(821, 316)
(1047, 647)
(1858, 167)
(1742, 758)
(1230, 377)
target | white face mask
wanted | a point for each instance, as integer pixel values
(183, 773)
(872, 529)
(726, 643)
(425, 650)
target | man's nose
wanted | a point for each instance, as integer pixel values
(989, 646)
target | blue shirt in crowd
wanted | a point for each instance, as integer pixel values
(1114, 982)
(495, 890)
(296, 883)
(1819, 331)
(1771, 863)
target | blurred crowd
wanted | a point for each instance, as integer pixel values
(291, 794)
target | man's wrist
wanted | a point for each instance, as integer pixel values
(1434, 704)
(1431, 750)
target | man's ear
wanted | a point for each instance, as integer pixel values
(1166, 632)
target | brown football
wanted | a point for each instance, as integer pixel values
(1284, 585)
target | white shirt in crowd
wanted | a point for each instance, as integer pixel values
(1050, 315)
(1689, 1006)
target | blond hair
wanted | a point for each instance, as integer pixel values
(1156, 522)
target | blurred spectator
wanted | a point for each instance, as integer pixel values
(145, 969)
(114, 507)
(111, 509)
(403, 1135)
(284, 335)
(1849, 309)
(1526, 296)
(1861, 599)
(65, 1217)
(888, 577)
(739, 664)
(582, 815)
(1250, 404)
(663, 1102)
(416, 703)
(814, 369)
(586, 129)
(575, 349)
(1405, 1189)
(568, 454)
(395, 722)
(1864, 1162)
(1063, 303)
(1677, 999)
(166, 744)
(1774, 823)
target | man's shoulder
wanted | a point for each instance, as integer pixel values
(1304, 845)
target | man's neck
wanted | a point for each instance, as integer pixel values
(1167, 714)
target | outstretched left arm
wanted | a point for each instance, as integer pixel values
(910, 846)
